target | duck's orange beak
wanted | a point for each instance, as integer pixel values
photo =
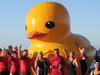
(35, 34)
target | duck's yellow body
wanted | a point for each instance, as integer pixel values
(48, 26)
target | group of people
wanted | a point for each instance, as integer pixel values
(17, 62)
(57, 64)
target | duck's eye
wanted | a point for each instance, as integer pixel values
(49, 24)
(25, 27)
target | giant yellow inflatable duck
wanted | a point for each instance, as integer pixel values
(48, 26)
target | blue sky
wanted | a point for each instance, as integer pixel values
(84, 15)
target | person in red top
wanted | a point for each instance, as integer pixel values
(25, 63)
(57, 63)
(15, 65)
(4, 63)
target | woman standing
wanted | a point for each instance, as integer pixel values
(83, 61)
(41, 64)
(72, 64)
(96, 70)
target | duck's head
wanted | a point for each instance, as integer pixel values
(47, 21)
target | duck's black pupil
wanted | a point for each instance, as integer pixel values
(50, 24)
(25, 27)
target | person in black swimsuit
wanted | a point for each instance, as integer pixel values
(96, 70)
(83, 61)
(72, 64)
(41, 64)
(84, 66)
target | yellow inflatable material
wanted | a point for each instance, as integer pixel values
(48, 26)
